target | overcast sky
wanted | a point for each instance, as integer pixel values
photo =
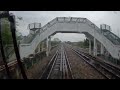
(97, 17)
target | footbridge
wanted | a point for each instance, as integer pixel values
(103, 35)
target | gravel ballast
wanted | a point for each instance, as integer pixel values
(80, 69)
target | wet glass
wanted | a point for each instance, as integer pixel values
(3, 73)
(9, 51)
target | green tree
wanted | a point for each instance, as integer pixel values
(83, 44)
(55, 41)
(6, 33)
(7, 37)
(86, 43)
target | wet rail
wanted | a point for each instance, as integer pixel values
(58, 67)
(107, 70)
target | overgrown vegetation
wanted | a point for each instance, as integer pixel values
(55, 42)
(82, 44)
(7, 37)
(6, 33)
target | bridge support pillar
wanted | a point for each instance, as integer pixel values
(89, 46)
(41, 46)
(47, 46)
(102, 49)
(95, 47)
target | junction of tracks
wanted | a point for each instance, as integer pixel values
(70, 62)
(41, 60)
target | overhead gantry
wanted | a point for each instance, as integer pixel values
(73, 25)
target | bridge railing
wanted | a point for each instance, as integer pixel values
(115, 48)
(97, 30)
(54, 21)
(70, 20)
(49, 24)
(91, 24)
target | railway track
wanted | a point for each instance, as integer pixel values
(107, 70)
(58, 67)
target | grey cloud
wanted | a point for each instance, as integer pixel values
(97, 17)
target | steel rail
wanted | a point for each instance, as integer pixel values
(98, 66)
